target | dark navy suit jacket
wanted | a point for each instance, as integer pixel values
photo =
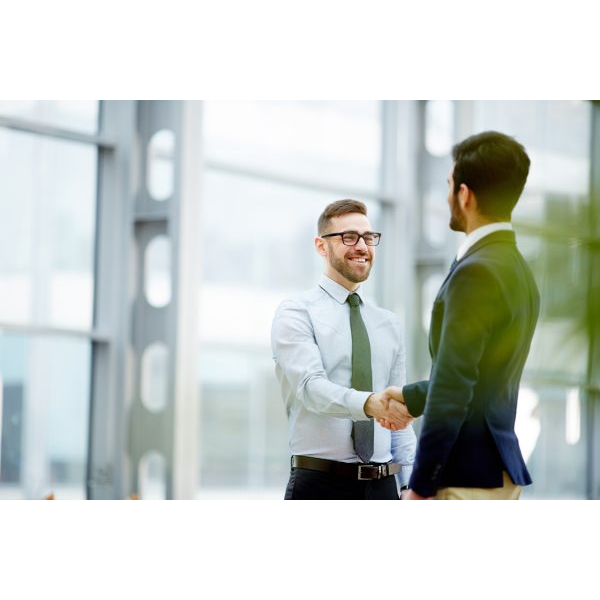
(482, 323)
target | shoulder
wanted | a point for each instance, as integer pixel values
(477, 276)
(385, 317)
(383, 313)
(481, 264)
(301, 301)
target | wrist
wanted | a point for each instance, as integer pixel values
(357, 405)
(370, 406)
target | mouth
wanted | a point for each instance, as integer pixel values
(361, 260)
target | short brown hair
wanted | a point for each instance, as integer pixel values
(338, 208)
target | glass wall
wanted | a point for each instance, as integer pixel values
(271, 169)
(553, 225)
(47, 208)
(44, 412)
(72, 115)
(268, 169)
(48, 189)
(552, 222)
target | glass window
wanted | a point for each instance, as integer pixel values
(157, 271)
(78, 115)
(44, 412)
(224, 419)
(242, 423)
(257, 248)
(436, 216)
(153, 476)
(439, 127)
(47, 228)
(560, 345)
(161, 169)
(325, 141)
(552, 440)
(556, 135)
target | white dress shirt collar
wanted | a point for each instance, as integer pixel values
(480, 233)
(335, 290)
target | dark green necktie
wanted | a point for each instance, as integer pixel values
(362, 379)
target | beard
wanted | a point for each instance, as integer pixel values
(457, 218)
(352, 273)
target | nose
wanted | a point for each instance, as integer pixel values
(361, 244)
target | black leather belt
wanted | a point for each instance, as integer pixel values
(360, 471)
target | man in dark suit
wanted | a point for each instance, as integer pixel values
(482, 323)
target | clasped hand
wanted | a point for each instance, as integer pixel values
(389, 409)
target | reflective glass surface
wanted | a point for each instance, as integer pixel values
(243, 429)
(556, 135)
(551, 430)
(321, 141)
(559, 350)
(47, 224)
(78, 115)
(44, 412)
(439, 127)
(257, 249)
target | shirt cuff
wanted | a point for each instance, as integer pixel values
(356, 405)
(404, 476)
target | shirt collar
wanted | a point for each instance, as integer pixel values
(335, 290)
(480, 233)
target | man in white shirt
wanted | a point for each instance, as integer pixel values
(323, 341)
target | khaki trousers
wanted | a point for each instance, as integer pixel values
(508, 491)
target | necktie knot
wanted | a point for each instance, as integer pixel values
(353, 300)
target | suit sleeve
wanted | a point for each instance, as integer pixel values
(470, 307)
(415, 395)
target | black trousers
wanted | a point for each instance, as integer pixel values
(306, 484)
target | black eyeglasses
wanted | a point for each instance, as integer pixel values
(350, 238)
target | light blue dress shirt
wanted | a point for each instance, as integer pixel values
(312, 349)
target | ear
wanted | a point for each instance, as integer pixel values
(320, 246)
(465, 196)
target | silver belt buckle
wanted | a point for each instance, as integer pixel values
(364, 478)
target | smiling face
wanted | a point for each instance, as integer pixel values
(347, 265)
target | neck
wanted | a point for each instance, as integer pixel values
(479, 221)
(335, 276)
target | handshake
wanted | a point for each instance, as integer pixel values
(389, 409)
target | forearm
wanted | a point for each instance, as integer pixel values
(321, 396)
(450, 392)
(438, 435)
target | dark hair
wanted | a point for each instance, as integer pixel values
(337, 208)
(495, 167)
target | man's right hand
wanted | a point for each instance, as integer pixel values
(390, 395)
(389, 412)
